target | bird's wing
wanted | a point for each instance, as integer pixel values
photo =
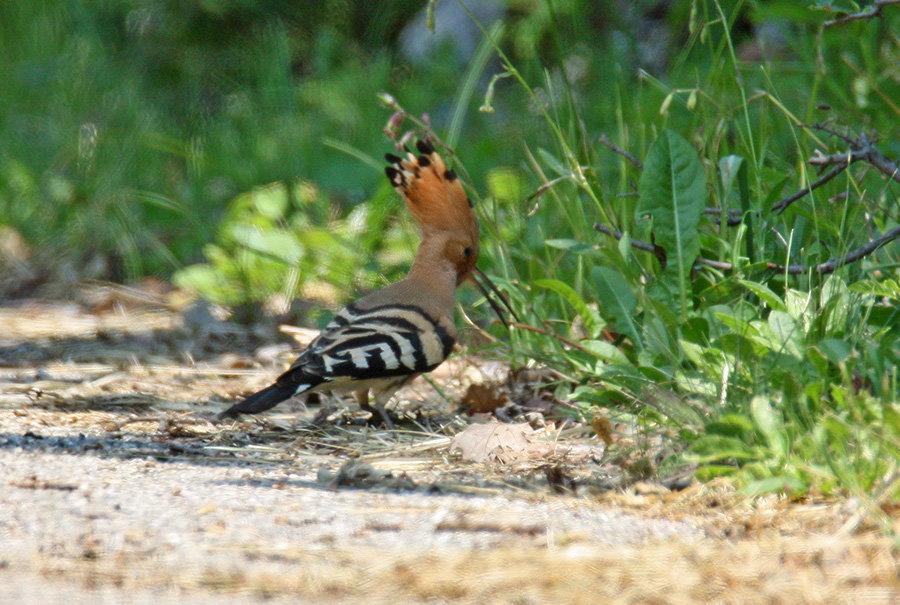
(364, 343)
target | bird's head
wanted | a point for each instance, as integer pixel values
(439, 204)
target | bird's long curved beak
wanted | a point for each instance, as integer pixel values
(484, 284)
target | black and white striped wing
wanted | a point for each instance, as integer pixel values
(379, 342)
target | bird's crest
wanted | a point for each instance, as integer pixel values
(432, 192)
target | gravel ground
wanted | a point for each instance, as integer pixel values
(189, 528)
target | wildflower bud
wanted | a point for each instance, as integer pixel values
(664, 108)
(388, 101)
(393, 124)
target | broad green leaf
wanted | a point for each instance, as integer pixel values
(698, 355)
(732, 425)
(624, 245)
(696, 330)
(819, 360)
(836, 351)
(714, 448)
(739, 326)
(210, 282)
(277, 245)
(728, 169)
(572, 297)
(617, 302)
(765, 294)
(768, 421)
(673, 193)
(691, 383)
(834, 301)
(786, 332)
(797, 303)
(605, 351)
(777, 485)
(711, 471)
(271, 200)
(658, 341)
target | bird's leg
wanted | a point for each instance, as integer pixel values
(362, 398)
(381, 398)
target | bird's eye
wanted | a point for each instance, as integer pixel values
(467, 252)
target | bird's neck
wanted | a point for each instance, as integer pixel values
(433, 276)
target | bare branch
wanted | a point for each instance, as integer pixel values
(782, 204)
(832, 264)
(558, 337)
(828, 266)
(824, 127)
(635, 243)
(861, 149)
(883, 164)
(606, 142)
(658, 250)
(870, 13)
(540, 191)
(715, 264)
(734, 216)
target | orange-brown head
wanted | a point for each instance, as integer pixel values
(439, 204)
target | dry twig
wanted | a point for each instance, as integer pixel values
(607, 143)
(734, 217)
(782, 204)
(562, 339)
(832, 264)
(860, 149)
(870, 13)
(828, 266)
(641, 245)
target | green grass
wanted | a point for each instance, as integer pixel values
(245, 165)
(785, 382)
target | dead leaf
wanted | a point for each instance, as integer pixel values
(483, 398)
(603, 428)
(495, 442)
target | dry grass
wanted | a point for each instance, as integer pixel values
(767, 570)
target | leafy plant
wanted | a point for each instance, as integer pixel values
(759, 323)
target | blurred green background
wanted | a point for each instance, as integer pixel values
(127, 128)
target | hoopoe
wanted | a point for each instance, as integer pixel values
(387, 338)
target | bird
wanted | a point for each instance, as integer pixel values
(385, 339)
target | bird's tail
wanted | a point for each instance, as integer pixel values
(261, 401)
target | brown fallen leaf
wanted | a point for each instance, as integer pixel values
(496, 442)
(603, 428)
(483, 398)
